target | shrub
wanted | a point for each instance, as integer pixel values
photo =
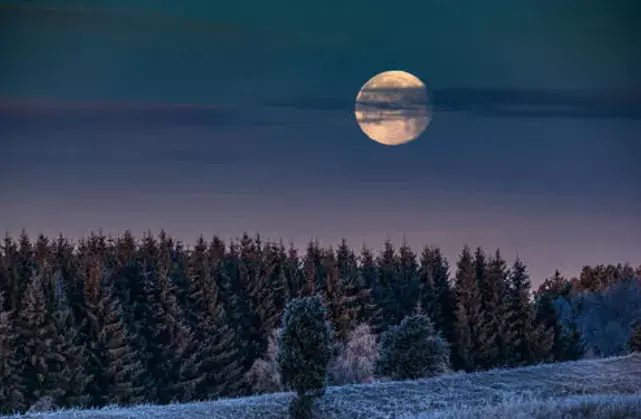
(356, 361)
(413, 349)
(263, 376)
(634, 343)
(304, 349)
(44, 404)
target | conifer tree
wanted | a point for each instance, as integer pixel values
(11, 369)
(313, 269)
(388, 266)
(304, 351)
(413, 349)
(13, 283)
(567, 342)
(143, 322)
(112, 361)
(406, 287)
(293, 273)
(339, 314)
(437, 297)
(250, 280)
(531, 342)
(220, 369)
(271, 295)
(368, 273)
(496, 317)
(237, 304)
(67, 359)
(471, 343)
(34, 332)
(357, 292)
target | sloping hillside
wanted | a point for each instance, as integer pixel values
(589, 387)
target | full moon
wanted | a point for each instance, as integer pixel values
(392, 108)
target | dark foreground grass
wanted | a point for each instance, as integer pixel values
(594, 389)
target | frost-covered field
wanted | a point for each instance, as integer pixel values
(606, 388)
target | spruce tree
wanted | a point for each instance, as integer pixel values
(237, 306)
(471, 343)
(171, 365)
(313, 269)
(293, 273)
(250, 279)
(437, 296)
(12, 398)
(112, 361)
(413, 349)
(67, 360)
(357, 293)
(567, 342)
(13, 283)
(532, 341)
(496, 317)
(339, 314)
(368, 273)
(406, 287)
(271, 295)
(215, 340)
(304, 351)
(388, 266)
(35, 333)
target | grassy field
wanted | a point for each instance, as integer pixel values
(603, 389)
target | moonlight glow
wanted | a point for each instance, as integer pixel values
(391, 108)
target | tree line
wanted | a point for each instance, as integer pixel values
(124, 321)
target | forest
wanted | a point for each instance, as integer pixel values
(121, 320)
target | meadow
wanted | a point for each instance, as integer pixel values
(587, 389)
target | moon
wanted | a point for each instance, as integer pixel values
(392, 108)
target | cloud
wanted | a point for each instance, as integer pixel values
(23, 112)
(504, 103)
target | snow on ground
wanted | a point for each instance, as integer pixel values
(595, 389)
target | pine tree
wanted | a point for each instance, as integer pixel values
(471, 342)
(11, 388)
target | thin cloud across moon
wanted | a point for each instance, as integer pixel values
(392, 108)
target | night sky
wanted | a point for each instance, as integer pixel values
(224, 117)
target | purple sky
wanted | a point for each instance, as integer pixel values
(534, 145)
